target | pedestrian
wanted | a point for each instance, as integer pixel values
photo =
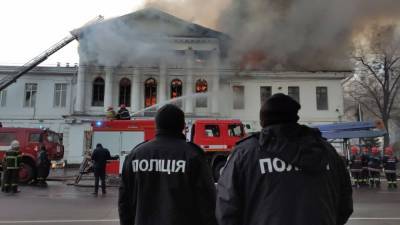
(389, 165)
(12, 166)
(356, 166)
(100, 156)
(285, 174)
(365, 156)
(374, 168)
(110, 114)
(43, 166)
(123, 113)
(167, 180)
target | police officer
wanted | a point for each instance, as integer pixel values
(167, 180)
(43, 166)
(374, 168)
(285, 174)
(365, 156)
(12, 165)
(100, 156)
(123, 113)
(356, 166)
(389, 165)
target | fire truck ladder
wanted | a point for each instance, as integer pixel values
(9, 79)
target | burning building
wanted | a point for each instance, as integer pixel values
(148, 58)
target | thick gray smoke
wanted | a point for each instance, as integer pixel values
(284, 34)
(303, 34)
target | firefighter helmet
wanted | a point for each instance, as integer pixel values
(14, 145)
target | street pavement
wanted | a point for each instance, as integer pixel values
(62, 204)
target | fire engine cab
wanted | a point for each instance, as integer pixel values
(216, 137)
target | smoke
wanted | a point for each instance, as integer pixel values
(278, 34)
(303, 34)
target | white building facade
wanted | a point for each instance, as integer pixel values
(67, 99)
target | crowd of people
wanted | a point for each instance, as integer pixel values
(366, 166)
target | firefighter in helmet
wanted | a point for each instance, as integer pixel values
(110, 114)
(365, 156)
(43, 166)
(356, 166)
(389, 165)
(13, 162)
(374, 168)
(123, 113)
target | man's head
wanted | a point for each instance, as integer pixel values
(170, 118)
(277, 109)
(14, 145)
(99, 145)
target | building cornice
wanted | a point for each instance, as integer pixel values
(42, 70)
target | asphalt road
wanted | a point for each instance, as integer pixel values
(61, 204)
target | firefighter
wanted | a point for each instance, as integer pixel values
(389, 165)
(123, 113)
(356, 166)
(99, 157)
(110, 114)
(285, 174)
(43, 166)
(374, 168)
(365, 156)
(167, 180)
(12, 165)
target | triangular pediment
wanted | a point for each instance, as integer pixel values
(156, 22)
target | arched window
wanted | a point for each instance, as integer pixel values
(150, 92)
(176, 90)
(125, 92)
(98, 92)
(201, 87)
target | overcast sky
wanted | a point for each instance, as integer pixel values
(29, 27)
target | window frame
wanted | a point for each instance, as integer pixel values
(263, 99)
(238, 97)
(99, 101)
(201, 86)
(318, 98)
(61, 101)
(298, 93)
(3, 98)
(125, 98)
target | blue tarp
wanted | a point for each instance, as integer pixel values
(350, 130)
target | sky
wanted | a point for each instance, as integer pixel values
(29, 27)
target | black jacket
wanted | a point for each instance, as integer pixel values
(123, 114)
(167, 181)
(285, 175)
(100, 156)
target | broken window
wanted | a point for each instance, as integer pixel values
(98, 92)
(238, 97)
(150, 92)
(30, 95)
(294, 92)
(322, 98)
(176, 90)
(125, 92)
(201, 87)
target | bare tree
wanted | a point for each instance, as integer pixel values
(376, 82)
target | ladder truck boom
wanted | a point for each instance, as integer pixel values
(9, 79)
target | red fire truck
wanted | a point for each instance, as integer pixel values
(216, 137)
(30, 140)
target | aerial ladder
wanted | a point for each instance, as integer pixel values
(74, 34)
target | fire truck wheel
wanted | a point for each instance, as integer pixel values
(26, 173)
(217, 169)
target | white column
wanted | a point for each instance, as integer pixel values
(189, 81)
(80, 89)
(215, 82)
(108, 88)
(162, 95)
(135, 91)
